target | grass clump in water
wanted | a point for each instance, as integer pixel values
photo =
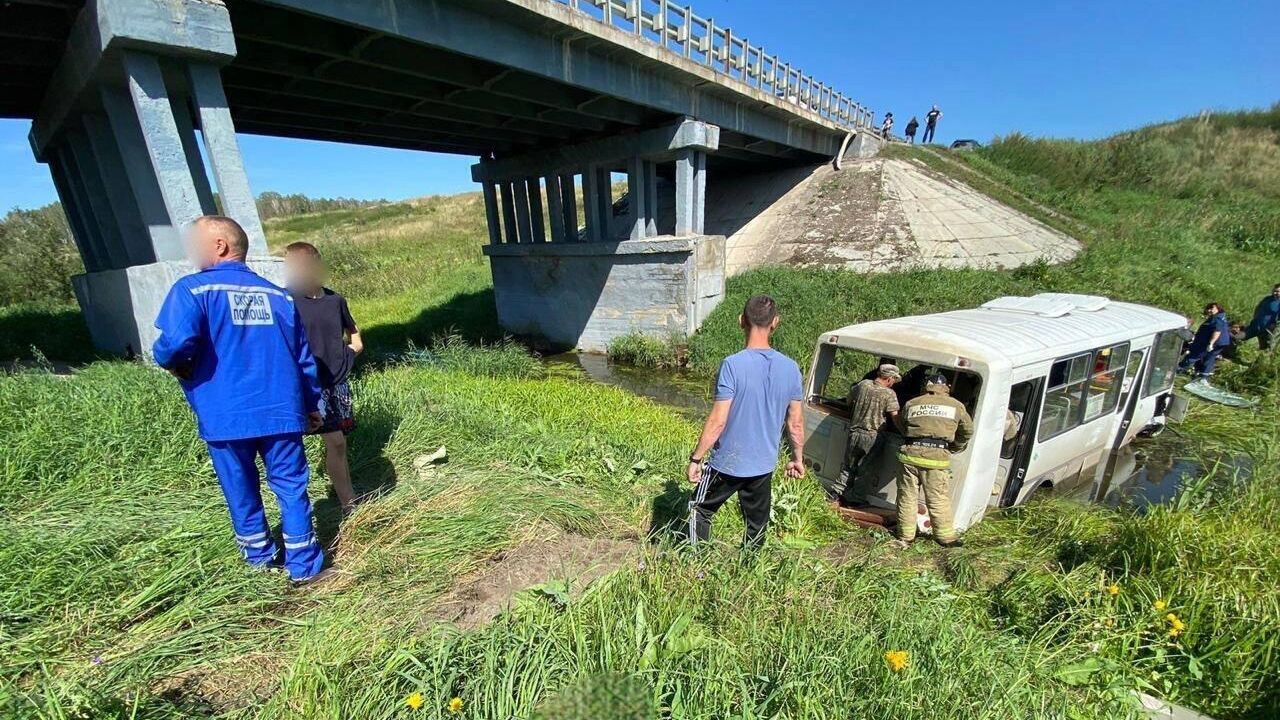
(504, 359)
(648, 351)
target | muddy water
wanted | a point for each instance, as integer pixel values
(1149, 471)
(689, 395)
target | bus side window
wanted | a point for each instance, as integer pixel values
(1131, 379)
(1164, 363)
(1016, 417)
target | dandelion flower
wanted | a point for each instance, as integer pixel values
(455, 706)
(1159, 605)
(1175, 623)
(414, 701)
(1113, 589)
(1174, 632)
(897, 659)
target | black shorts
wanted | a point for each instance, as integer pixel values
(337, 410)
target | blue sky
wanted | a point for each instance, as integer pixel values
(1079, 69)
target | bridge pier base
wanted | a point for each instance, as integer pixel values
(134, 97)
(585, 294)
(640, 263)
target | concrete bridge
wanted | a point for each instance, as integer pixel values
(128, 97)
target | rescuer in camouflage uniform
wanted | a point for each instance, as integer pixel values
(935, 425)
(872, 405)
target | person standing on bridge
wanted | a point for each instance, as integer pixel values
(238, 348)
(935, 425)
(931, 123)
(912, 125)
(886, 127)
(757, 389)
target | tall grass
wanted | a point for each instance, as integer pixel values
(121, 594)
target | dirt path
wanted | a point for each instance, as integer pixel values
(559, 561)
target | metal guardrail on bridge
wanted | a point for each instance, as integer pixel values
(677, 29)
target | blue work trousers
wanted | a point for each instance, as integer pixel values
(1203, 360)
(287, 476)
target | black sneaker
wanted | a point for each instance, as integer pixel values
(326, 574)
(951, 543)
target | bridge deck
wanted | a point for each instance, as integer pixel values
(479, 77)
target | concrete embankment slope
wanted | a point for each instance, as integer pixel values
(875, 215)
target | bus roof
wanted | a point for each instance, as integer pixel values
(1019, 330)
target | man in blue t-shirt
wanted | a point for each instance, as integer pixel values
(757, 390)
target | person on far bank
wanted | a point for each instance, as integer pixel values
(1211, 338)
(934, 427)
(886, 127)
(237, 346)
(335, 342)
(912, 125)
(931, 123)
(758, 391)
(1265, 316)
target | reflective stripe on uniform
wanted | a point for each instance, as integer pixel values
(928, 463)
(298, 542)
(256, 541)
(214, 287)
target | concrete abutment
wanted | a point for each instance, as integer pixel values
(623, 268)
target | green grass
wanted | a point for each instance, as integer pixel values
(646, 351)
(122, 595)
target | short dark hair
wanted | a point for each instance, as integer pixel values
(760, 311)
(302, 247)
(1213, 305)
(231, 230)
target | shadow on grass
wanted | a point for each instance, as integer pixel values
(373, 475)
(669, 512)
(50, 332)
(471, 316)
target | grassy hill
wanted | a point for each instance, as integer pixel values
(121, 593)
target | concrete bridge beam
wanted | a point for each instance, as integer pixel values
(118, 127)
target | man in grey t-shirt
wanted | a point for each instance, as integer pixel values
(757, 389)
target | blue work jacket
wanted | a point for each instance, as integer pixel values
(1214, 323)
(1265, 315)
(240, 339)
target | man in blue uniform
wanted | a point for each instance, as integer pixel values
(1265, 316)
(1213, 335)
(239, 350)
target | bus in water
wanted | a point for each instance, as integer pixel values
(1068, 378)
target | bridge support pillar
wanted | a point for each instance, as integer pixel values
(640, 264)
(132, 100)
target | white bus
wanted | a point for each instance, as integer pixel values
(1082, 376)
